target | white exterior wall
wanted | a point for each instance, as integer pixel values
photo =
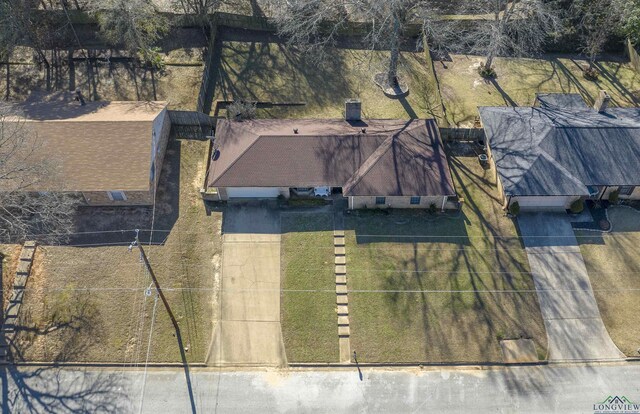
(254, 192)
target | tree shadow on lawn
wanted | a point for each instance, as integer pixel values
(632, 98)
(71, 323)
(276, 72)
(473, 268)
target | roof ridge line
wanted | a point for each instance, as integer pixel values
(373, 159)
(368, 164)
(226, 170)
(560, 167)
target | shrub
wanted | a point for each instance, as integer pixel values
(241, 110)
(514, 208)
(614, 196)
(590, 74)
(577, 206)
(432, 208)
(486, 72)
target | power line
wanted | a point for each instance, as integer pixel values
(332, 290)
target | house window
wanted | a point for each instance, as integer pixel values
(415, 200)
(626, 190)
(117, 195)
(381, 200)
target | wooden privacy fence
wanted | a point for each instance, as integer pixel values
(633, 56)
(462, 134)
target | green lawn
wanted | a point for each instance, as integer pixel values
(278, 73)
(309, 320)
(614, 266)
(519, 79)
(471, 260)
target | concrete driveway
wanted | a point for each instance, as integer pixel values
(575, 330)
(249, 331)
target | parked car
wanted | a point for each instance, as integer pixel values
(322, 191)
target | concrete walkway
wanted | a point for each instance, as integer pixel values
(574, 327)
(249, 331)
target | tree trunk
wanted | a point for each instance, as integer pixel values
(489, 60)
(395, 53)
(72, 71)
(6, 96)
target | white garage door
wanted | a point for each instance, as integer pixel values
(543, 203)
(253, 192)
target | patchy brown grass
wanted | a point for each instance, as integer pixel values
(89, 303)
(440, 288)
(279, 73)
(519, 79)
(613, 266)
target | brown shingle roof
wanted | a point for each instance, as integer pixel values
(392, 157)
(98, 147)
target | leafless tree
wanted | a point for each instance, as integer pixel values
(197, 7)
(23, 171)
(596, 21)
(135, 24)
(318, 23)
(514, 28)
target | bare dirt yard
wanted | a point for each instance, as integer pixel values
(613, 266)
(89, 300)
(519, 79)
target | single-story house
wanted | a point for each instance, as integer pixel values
(109, 153)
(549, 155)
(374, 163)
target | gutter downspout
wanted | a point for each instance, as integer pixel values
(508, 203)
(444, 201)
(606, 187)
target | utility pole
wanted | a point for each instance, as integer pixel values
(143, 255)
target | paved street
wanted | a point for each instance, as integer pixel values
(533, 389)
(571, 317)
(249, 331)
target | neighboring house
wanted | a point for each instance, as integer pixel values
(549, 155)
(110, 153)
(374, 163)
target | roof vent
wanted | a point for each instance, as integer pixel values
(602, 102)
(353, 110)
(295, 130)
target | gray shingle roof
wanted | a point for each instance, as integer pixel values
(560, 151)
